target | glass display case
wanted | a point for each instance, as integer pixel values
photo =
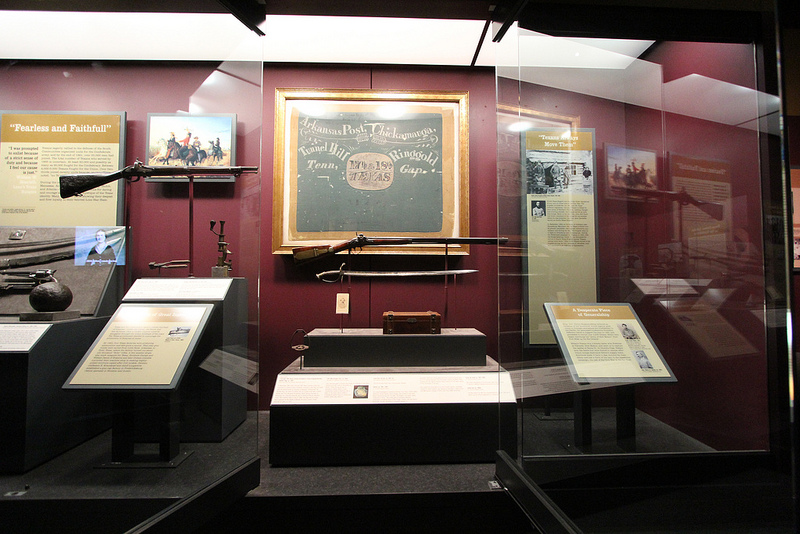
(137, 400)
(644, 293)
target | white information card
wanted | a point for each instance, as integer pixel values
(606, 343)
(142, 347)
(172, 289)
(20, 337)
(392, 388)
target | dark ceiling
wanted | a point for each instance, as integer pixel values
(252, 12)
(453, 9)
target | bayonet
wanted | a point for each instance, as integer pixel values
(25, 261)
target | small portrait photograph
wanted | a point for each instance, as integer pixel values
(628, 332)
(99, 245)
(588, 180)
(642, 359)
(538, 208)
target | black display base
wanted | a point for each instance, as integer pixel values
(41, 420)
(370, 347)
(50, 316)
(459, 426)
(388, 434)
(147, 461)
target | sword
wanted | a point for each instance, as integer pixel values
(334, 276)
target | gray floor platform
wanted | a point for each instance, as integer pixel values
(71, 494)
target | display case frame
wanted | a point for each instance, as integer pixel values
(211, 407)
(556, 483)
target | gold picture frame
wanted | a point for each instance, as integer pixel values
(378, 163)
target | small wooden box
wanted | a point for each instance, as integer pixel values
(428, 322)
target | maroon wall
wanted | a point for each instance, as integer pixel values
(292, 298)
(158, 212)
(721, 401)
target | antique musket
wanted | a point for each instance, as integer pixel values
(76, 184)
(314, 252)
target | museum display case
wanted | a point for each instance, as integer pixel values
(131, 200)
(371, 193)
(615, 342)
(644, 293)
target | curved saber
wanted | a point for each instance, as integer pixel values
(334, 276)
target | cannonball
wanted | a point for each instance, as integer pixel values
(50, 297)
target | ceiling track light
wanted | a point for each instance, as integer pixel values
(251, 13)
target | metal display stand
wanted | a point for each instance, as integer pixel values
(168, 404)
(211, 406)
(625, 418)
(123, 434)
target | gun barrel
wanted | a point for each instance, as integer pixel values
(77, 184)
(168, 170)
(436, 240)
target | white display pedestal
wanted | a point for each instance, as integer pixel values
(410, 415)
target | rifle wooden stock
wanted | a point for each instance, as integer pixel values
(76, 184)
(313, 252)
(305, 254)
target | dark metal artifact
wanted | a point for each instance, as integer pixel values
(25, 279)
(50, 297)
(223, 266)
